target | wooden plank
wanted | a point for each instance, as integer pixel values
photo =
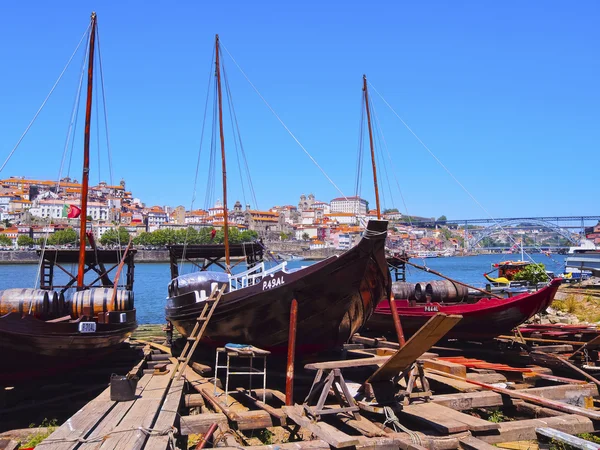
(460, 386)
(363, 425)
(446, 419)
(200, 423)
(166, 417)
(10, 444)
(419, 343)
(559, 348)
(571, 441)
(348, 363)
(80, 424)
(274, 412)
(128, 435)
(446, 366)
(542, 376)
(559, 406)
(472, 443)
(469, 400)
(520, 430)
(329, 434)
(112, 419)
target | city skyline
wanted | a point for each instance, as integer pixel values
(503, 95)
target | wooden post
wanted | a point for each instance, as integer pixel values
(289, 378)
(397, 323)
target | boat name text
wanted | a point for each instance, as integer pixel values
(270, 284)
(431, 309)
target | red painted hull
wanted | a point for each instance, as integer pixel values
(483, 320)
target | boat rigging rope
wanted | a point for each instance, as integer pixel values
(45, 100)
(283, 124)
(444, 167)
(391, 418)
(194, 191)
(147, 431)
(68, 139)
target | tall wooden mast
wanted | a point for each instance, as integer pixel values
(371, 142)
(224, 167)
(86, 155)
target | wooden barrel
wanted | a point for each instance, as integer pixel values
(420, 291)
(99, 300)
(403, 290)
(446, 291)
(25, 301)
(58, 307)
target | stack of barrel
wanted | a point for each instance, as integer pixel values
(430, 291)
(95, 301)
(35, 302)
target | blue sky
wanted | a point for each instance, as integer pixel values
(505, 94)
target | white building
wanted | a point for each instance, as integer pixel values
(54, 209)
(355, 205)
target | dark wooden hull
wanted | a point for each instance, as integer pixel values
(335, 298)
(32, 348)
(483, 320)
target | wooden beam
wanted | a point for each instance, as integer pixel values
(200, 423)
(328, 433)
(472, 443)
(520, 430)
(167, 416)
(571, 441)
(419, 343)
(445, 419)
(559, 406)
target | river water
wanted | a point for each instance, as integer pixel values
(151, 279)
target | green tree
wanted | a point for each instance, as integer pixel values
(5, 241)
(283, 236)
(25, 241)
(305, 237)
(115, 237)
(63, 237)
(442, 219)
(143, 238)
(534, 273)
(390, 210)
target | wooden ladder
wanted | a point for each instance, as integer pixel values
(210, 304)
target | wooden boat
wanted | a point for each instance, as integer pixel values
(41, 333)
(484, 319)
(335, 296)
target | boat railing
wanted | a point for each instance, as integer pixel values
(252, 276)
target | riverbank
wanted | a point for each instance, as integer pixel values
(142, 256)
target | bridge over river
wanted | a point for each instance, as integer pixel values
(571, 228)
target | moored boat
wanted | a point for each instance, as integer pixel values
(483, 319)
(335, 296)
(41, 332)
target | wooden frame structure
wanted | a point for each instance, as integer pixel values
(95, 261)
(205, 255)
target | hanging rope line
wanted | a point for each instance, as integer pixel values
(70, 137)
(110, 165)
(444, 167)
(283, 124)
(394, 170)
(241, 145)
(194, 190)
(44, 102)
(360, 149)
